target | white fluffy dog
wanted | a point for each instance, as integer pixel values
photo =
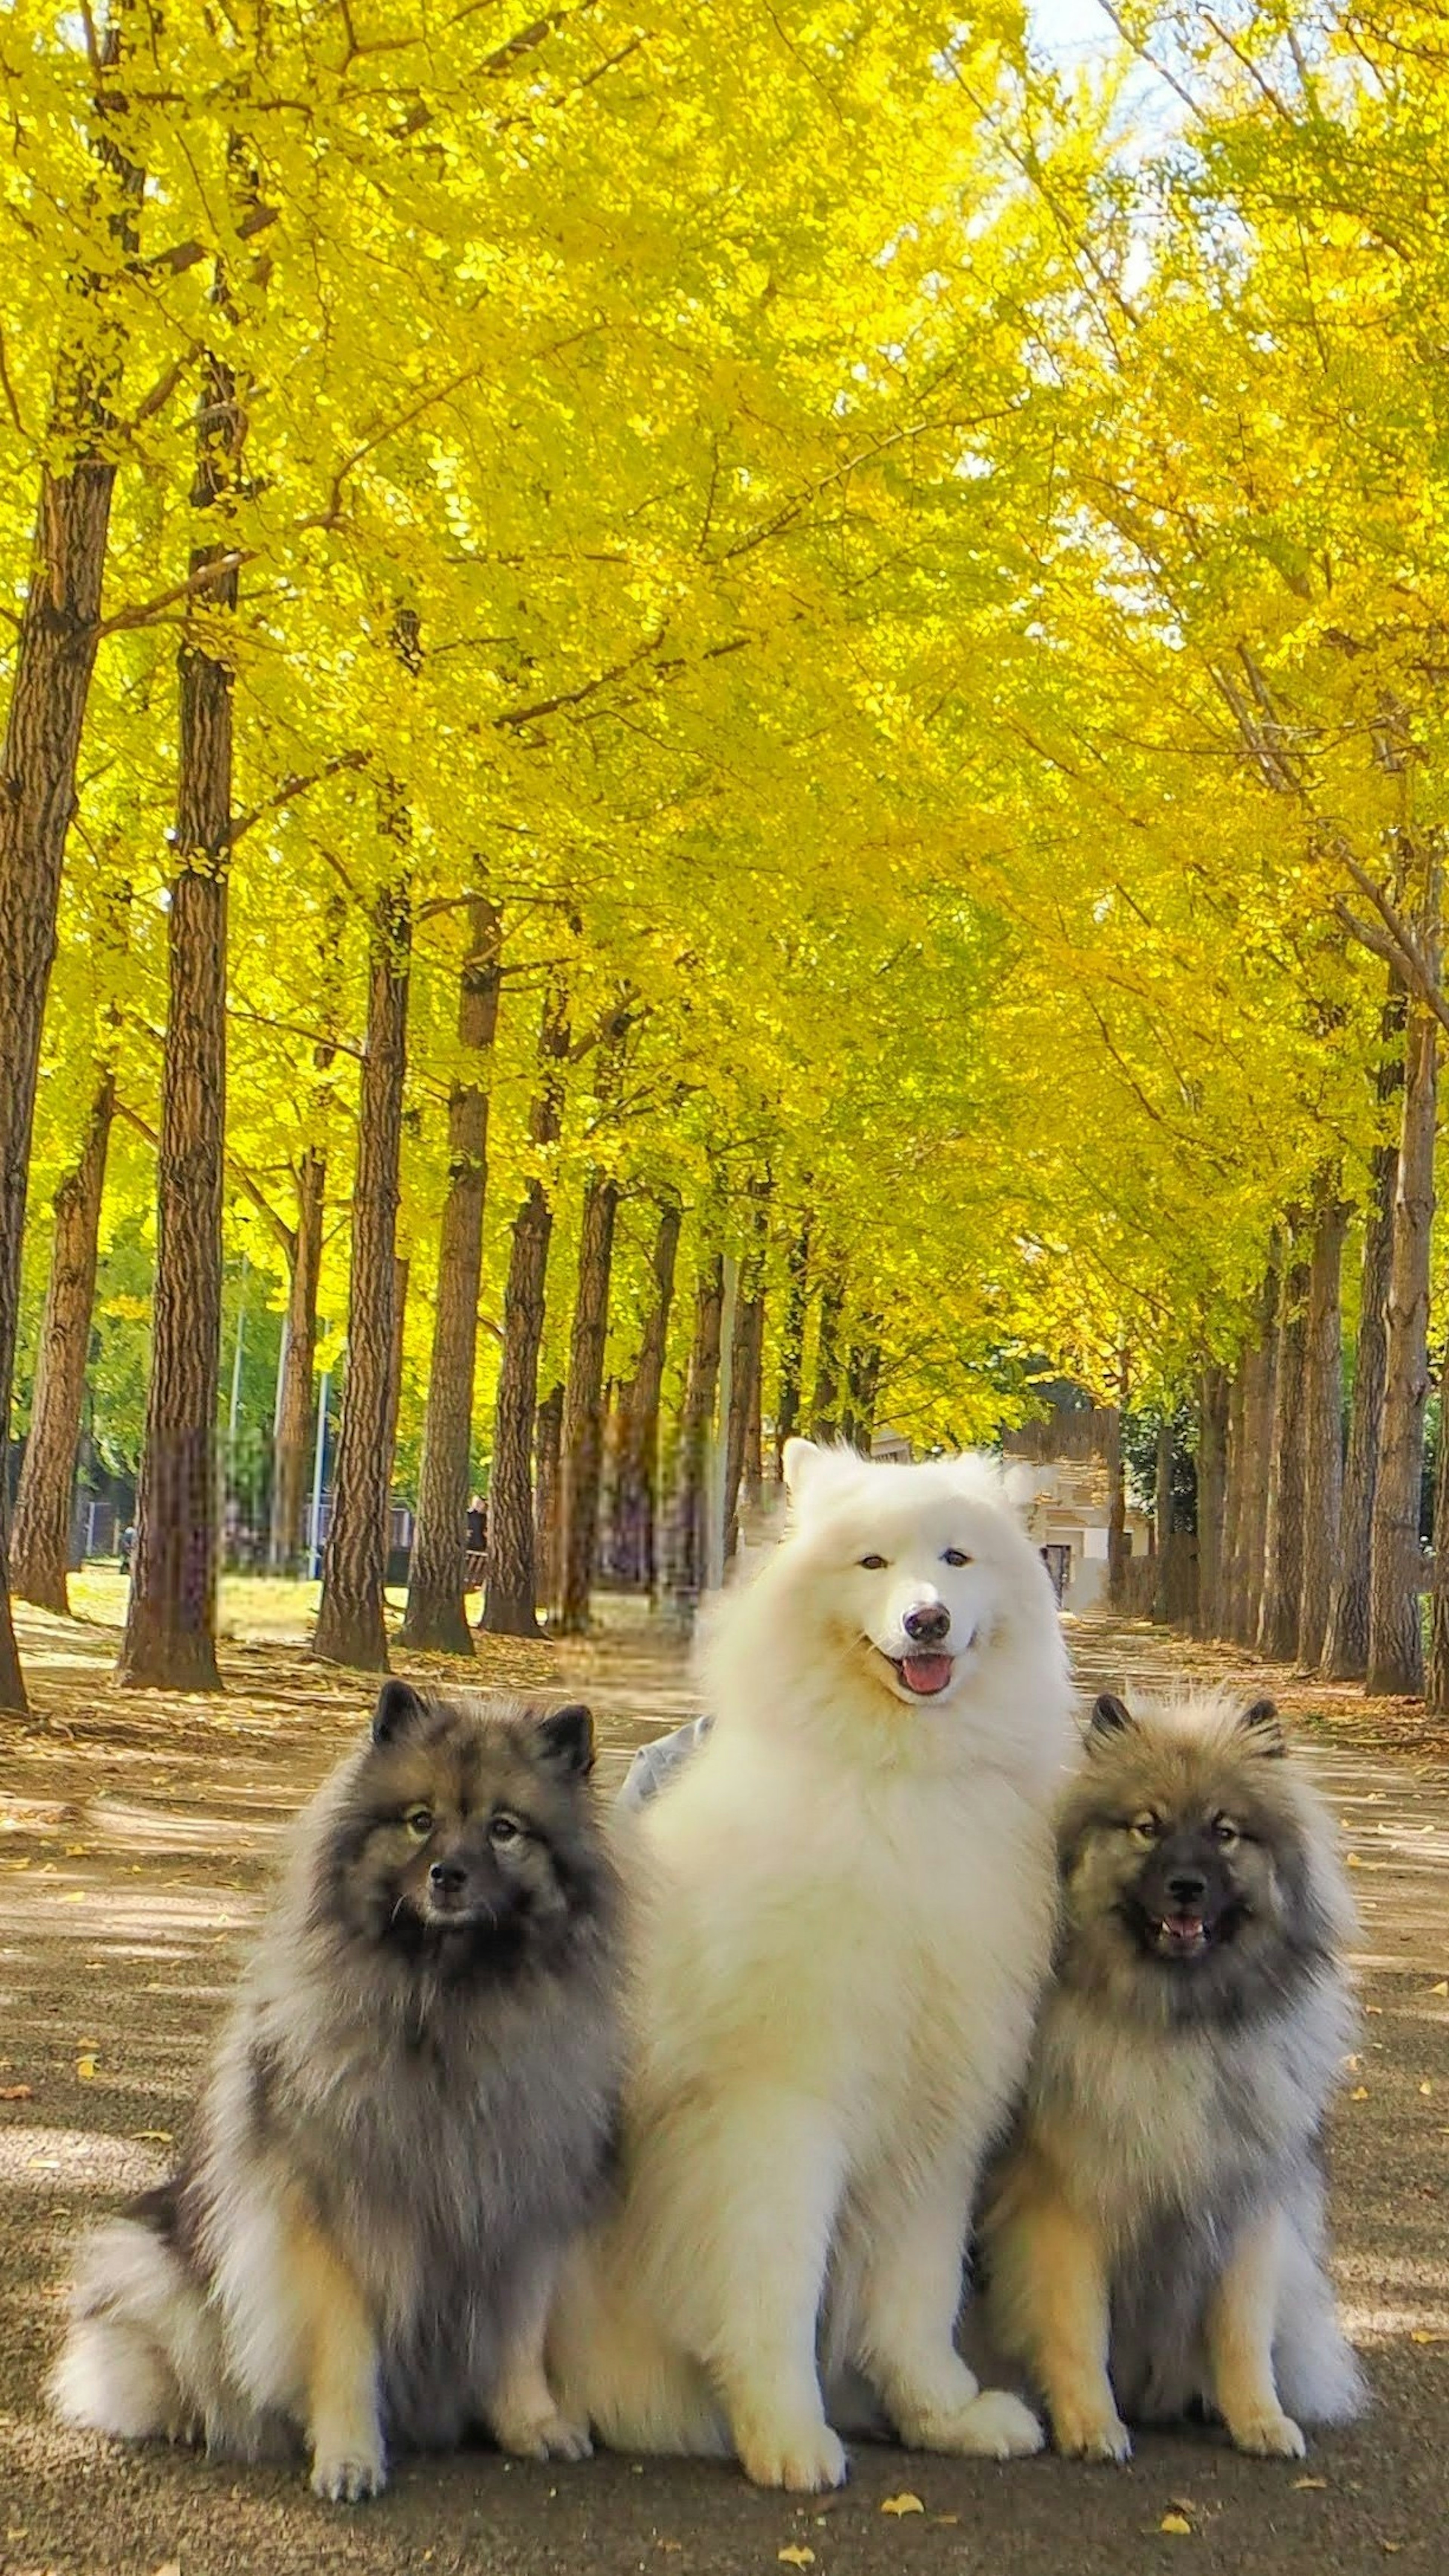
(846, 1911)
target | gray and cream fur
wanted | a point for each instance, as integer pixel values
(408, 2118)
(1154, 2235)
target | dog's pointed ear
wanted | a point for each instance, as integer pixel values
(802, 1462)
(565, 1739)
(1264, 1728)
(399, 1707)
(1109, 1717)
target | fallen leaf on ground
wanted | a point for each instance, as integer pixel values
(85, 2068)
(1423, 2334)
(902, 2504)
(16, 2093)
(1177, 2523)
(797, 2555)
(1359, 2093)
(152, 2137)
(1442, 1987)
(1300, 2483)
(74, 1896)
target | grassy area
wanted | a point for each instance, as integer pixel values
(253, 1608)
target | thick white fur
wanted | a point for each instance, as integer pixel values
(846, 1909)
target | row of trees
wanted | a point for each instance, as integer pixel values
(878, 743)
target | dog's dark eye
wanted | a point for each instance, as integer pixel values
(503, 1830)
(1146, 1827)
(1224, 1830)
(872, 1564)
(419, 1821)
(955, 1556)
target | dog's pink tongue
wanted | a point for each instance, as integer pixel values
(926, 1673)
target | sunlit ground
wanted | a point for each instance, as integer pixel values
(252, 1607)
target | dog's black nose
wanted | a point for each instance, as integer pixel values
(1187, 1889)
(445, 1877)
(927, 1625)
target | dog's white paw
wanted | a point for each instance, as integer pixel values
(1087, 2433)
(342, 2480)
(543, 2437)
(804, 2460)
(993, 2425)
(1269, 2436)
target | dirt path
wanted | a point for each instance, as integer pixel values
(135, 1835)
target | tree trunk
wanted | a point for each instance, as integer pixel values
(1322, 1429)
(824, 1413)
(1345, 1654)
(1162, 1518)
(510, 1601)
(1258, 1449)
(1395, 1652)
(1283, 1529)
(435, 1614)
(747, 1345)
(1212, 1469)
(1436, 1674)
(41, 1551)
(792, 1340)
(170, 1636)
(1233, 1569)
(548, 1499)
(583, 1423)
(753, 1477)
(54, 658)
(1117, 1492)
(351, 1627)
(299, 1352)
(636, 1487)
(688, 1548)
(861, 1379)
(394, 1396)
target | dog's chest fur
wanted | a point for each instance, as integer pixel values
(877, 1941)
(1215, 2116)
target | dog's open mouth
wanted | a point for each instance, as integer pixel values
(923, 1675)
(1180, 1936)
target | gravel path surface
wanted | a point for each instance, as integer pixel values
(135, 1836)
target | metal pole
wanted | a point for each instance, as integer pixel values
(717, 1518)
(319, 1455)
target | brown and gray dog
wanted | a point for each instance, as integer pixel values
(1154, 2237)
(408, 2118)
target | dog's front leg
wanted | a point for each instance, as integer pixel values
(1049, 2304)
(909, 2294)
(344, 2422)
(1241, 2318)
(520, 2408)
(759, 2179)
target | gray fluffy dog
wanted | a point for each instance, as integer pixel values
(408, 2118)
(1154, 2236)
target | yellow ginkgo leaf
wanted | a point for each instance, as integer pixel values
(1177, 2523)
(796, 2555)
(85, 2068)
(1442, 1987)
(1360, 2093)
(898, 2504)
